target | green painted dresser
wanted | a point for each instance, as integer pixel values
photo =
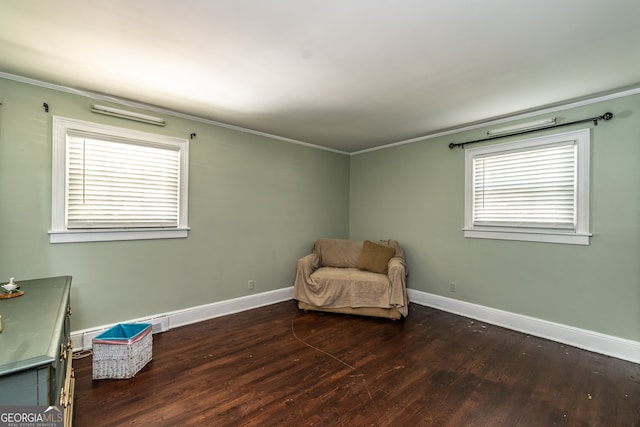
(35, 346)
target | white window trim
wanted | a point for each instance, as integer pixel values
(60, 234)
(581, 234)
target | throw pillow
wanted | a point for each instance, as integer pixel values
(375, 257)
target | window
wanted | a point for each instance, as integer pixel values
(534, 190)
(111, 183)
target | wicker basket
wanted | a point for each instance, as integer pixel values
(122, 351)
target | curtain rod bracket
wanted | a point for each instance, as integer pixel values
(606, 116)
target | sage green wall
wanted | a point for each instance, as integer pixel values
(255, 206)
(415, 194)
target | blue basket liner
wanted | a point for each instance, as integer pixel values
(123, 333)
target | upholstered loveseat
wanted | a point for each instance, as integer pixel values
(353, 277)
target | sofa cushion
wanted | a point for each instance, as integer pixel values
(338, 252)
(374, 257)
(348, 287)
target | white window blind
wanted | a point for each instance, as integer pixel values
(526, 188)
(533, 190)
(113, 184)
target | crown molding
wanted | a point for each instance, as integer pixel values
(507, 119)
(152, 108)
(455, 130)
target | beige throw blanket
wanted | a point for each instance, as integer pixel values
(328, 278)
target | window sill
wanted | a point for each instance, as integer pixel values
(530, 236)
(117, 234)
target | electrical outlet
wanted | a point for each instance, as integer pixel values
(452, 286)
(251, 284)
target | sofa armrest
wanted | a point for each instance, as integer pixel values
(309, 262)
(398, 277)
(304, 268)
(396, 267)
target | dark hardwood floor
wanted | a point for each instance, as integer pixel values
(277, 366)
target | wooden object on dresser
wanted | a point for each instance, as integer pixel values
(35, 361)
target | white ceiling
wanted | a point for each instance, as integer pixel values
(344, 74)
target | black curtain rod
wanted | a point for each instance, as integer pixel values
(606, 116)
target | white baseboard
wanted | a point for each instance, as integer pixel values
(588, 340)
(82, 339)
